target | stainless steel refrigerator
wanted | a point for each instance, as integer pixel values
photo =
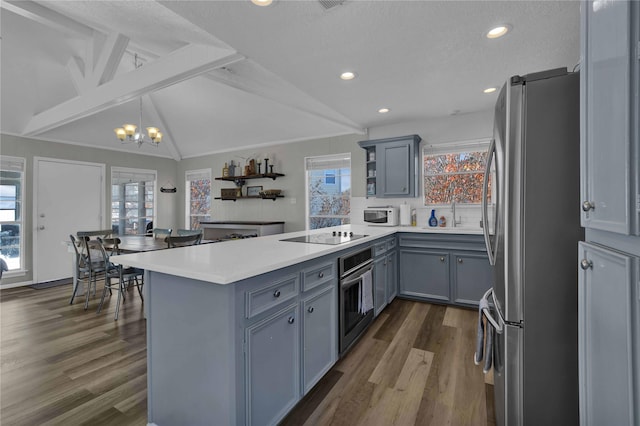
(531, 240)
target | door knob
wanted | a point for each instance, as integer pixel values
(41, 227)
(291, 320)
(459, 260)
(586, 264)
(588, 205)
(310, 310)
(442, 259)
(276, 293)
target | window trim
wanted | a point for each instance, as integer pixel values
(133, 170)
(472, 145)
(21, 271)
(187, 194)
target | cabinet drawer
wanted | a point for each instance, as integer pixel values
(391, 244)
(261, 300)
(318, 274)
(379, 248)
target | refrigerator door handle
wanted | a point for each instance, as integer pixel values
(485, 217)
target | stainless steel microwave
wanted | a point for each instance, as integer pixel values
(381, 216)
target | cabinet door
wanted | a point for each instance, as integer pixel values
(471, 277)
(272, 364)
(394, 168)
(605, 343)
(606, 182)
(379, 283)
(392, 277)
(424, 273)
(320, 335)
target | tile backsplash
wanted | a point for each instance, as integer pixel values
(469, 215)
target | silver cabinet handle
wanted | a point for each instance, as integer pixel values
(321, 274)
(586, 264)
(442, 259)
(310, 310)
(276, 293)
(588, 205)
(291, 320)
(459, 260)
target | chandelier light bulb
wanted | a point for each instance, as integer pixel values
(120, 133)
(129, 129)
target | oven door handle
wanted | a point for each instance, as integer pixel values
(348, 283)
(356, 270)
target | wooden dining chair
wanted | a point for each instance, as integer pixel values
(84, 272)
(183, 240)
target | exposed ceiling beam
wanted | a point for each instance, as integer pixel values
(109, 59)
(48, 17)
(180, 65)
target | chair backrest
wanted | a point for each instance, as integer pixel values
(182, 232)
(161, 233)
(97, 255)
(99, 233)
(183, 240)
(111, 245)
(80, 247)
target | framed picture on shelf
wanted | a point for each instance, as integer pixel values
(254, 191)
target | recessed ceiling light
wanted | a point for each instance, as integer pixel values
(489, 90)
(348, 75)
(384, 110)
(498, 31)
(262, 2)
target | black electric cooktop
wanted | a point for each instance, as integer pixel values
(331, 238)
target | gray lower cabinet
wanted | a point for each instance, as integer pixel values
(272, 367)
(392, 276)
(471, 277)
(320, 318)
(424, 273)
(385, 282)
(446, 268)
(608, 337)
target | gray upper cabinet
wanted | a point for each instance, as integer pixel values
(392, 166)
(608, 310)
(609, 80)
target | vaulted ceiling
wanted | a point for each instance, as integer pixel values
(223, 75)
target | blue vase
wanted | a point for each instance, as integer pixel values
(432, 220)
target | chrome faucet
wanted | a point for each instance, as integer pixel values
(455, 222)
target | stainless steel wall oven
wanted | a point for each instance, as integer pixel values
(352, 267)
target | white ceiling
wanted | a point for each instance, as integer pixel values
(222, 75)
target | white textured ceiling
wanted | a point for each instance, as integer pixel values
(271, 74)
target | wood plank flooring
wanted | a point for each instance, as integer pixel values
(61, 365)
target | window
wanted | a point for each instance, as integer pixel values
(132, 200)
(455, 173)
(328, 190)
(12, 212)
(198, 205)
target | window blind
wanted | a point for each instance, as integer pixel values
(331, 162)
(11, 164)
(203, 174)
(120, 176)
(458, 147)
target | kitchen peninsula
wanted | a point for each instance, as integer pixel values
(239, 332)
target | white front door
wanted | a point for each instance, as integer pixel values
(68, 197)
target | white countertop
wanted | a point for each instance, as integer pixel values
(231, 261)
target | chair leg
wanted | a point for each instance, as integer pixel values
(75, 290)
(86, 297)
(120, 291)
(139, 286)
(107, 285)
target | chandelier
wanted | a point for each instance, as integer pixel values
(130, 133)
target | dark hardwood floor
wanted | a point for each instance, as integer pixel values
(63, 365)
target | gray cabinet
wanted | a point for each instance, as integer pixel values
(392, 276)
(471, 277)
(449, 268)
(392, 166)
(608, 333)
(424, 273)
(385, 283)
(319, 335)
(609, 81)
(272, 367)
